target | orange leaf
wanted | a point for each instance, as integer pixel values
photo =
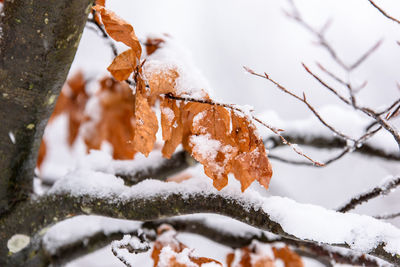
(210, 142)
(250, 258)
(42, 154)
(167, 239)
(152, 44)
(101, 2)
(116, 123)
(171, 124)
(72, 101)
(161, 81)
(289, 257)
(123, 65)
(119, 30)
(145, 120)
(252, 162)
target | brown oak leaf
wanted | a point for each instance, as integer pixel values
(123, 65)
(171, 125)
(146, 124)
(116, 123)
(72, 102)
(289, 257)
(251, 162)
(173, 248)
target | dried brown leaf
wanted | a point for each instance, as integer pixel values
(152, 44)
(171, 124)
(116, 124)
(251, 162)
(210, 142)
(119, 29)
(167, 237)
(289, 257)
(42, 154)
(123, 65)
(72, 101)
(146, 124)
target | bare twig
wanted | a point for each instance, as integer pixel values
(236, 108)
(104, 34)
(302, 99)
(373, 193)
(366, 55)
(383, 12)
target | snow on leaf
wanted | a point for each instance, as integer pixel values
(145, 119)
(210, 142)
(123, 65)
(169, 252)
(171, 124)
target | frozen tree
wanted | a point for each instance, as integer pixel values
(38, 42)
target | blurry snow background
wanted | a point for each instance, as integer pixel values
(225, 35)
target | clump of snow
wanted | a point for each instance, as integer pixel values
(169, 113)
(78, 228)
(133, 242)
(305, 221)
(205, 146)
(171, 55)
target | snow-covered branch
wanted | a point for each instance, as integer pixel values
(380, 190)
(239, 235)
(88, 192)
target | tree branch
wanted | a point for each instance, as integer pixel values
(373, 193)
(383, 12)
(238, 240)
(37, 46)
(151, 200)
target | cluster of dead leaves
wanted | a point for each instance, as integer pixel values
(223, 141)
(254, 256)
(71, 102)
(167, 249)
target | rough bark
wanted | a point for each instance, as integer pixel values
(38, 43)
(31, 217)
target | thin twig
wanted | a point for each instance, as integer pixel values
(383, 12)
(366, 55)
(104, 34)
(302, 99)
(236, 108)
(373, 193)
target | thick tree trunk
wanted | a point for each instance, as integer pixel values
(38, 41)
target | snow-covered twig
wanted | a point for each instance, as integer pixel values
(134, 244)
(373, 193)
